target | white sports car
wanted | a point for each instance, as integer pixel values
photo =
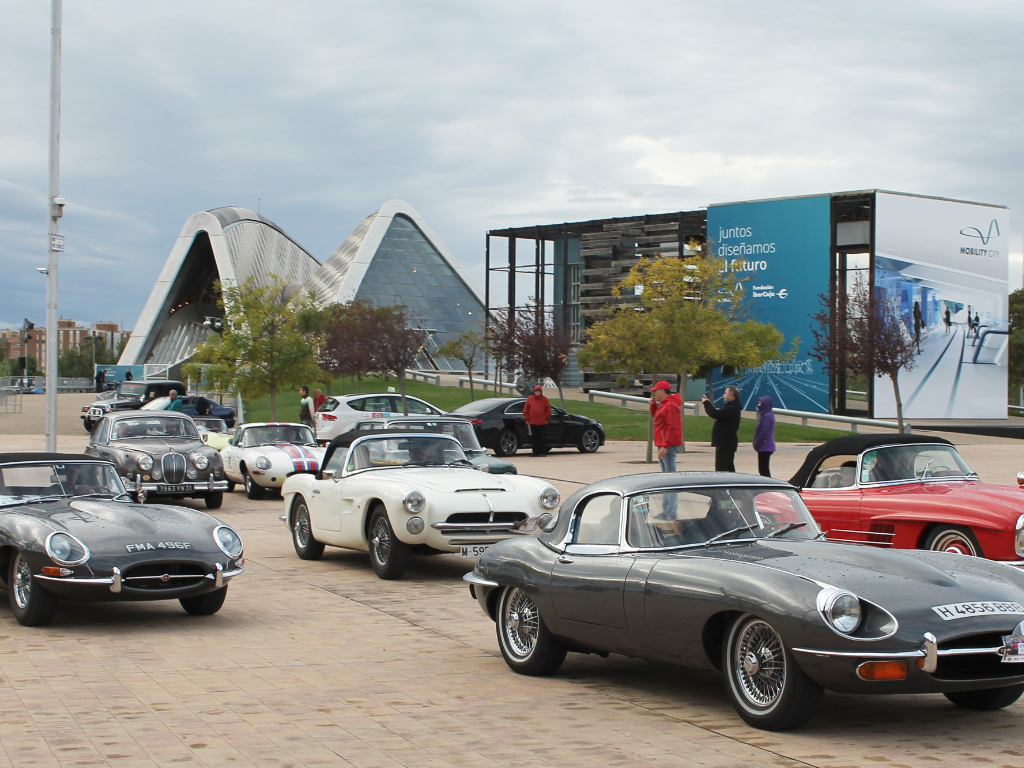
(393, 493)
(261, 455)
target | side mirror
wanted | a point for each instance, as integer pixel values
(327, 474)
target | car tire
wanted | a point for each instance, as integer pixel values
(987, 699)
(508, 443)
(525, 642)
(231, 487)
(206, 604)
(767, 688)
(214, 500)
(31, 605)
(388, 556)
(590, 441)
(953, 538)
(253, 490)
(306, 545)
(88, 425)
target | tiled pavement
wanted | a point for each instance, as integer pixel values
(323, 664)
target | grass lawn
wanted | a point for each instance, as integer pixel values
(619, 423)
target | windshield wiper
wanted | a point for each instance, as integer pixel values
(785, 529)
(741, 529)
(42, 500)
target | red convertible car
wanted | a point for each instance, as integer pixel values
(910, 492)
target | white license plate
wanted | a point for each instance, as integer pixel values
(968, 610)
(188, 488)
(473, 550)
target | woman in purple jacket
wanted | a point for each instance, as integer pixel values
(764, 435)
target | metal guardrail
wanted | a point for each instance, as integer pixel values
(804, 416)
(487, 382)
(64, 383)
(425, 376)
(10, 400)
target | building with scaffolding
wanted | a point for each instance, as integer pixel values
(392, 258)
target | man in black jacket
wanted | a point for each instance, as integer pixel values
(727, 426)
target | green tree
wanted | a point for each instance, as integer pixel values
(1016, 350)
(270, 340)
(395, 345)
(465, 348)
(80, 363)
(686, 320)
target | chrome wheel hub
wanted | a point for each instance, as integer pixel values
(302, 527)
(759, 664)
(521, 623)
(22, 582)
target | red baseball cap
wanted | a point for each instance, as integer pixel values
(662, 385)
(538, 388)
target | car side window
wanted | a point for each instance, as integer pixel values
(99, 432)
(330, 404)
(597, 521)
(377, 404)
(515, 408)
(836, 472)
(415, 406)
(337, 462)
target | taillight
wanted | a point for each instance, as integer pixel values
(328, 417)
(476, 421)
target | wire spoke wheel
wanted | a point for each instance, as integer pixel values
(381, 541)
(303, 533)
(521, 623)
(759, 664)
(22, 587)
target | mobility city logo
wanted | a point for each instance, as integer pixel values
(993, 231)
(729, 251)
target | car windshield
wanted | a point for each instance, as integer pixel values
(208, 424)
(460, 430)
(279, 433)
(132, 390)
(153, 426)
(912, 462)
(384, 453)
(697, 516)
(28, 483)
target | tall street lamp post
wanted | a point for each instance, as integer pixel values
(55, 243)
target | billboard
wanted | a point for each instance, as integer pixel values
(780, 248)
(944, 266)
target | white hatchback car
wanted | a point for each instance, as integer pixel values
(340, 413)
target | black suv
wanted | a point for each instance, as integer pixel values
(130, 396)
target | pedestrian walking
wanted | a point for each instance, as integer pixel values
(175, 401)
(666, 407)
(948, 320)
(318, 399)
(764, 435)
(306, 408)
(101, 380)
(537, 412)
(918, 324)
(724, 435)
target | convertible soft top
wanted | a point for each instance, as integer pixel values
(22, 458)
(345, 439)
(854, 445)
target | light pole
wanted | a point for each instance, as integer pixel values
(54, 242)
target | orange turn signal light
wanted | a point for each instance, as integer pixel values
(882, 670)
(53, 570)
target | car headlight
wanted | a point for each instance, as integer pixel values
(841, 609)
(200, 461)
(549, 498)
(414, 502)
(65, 549)
(1018, 538)
(262, 462)
(227, 540)
(145, 463)
(191, 474)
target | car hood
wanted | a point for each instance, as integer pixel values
(897, 580)
(106, 527)
(445, 480)
(157, 446)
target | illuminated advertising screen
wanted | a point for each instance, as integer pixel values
(943, 266)
(779, 251)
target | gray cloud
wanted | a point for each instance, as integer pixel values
(481, 116)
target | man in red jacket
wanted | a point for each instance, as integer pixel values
(537, 412)
(668, 424)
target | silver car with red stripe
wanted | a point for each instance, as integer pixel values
(262, 455)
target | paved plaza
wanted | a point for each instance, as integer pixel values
(321, 663)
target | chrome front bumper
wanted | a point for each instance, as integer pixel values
(198, 486)
(116, 581)
(929, 651)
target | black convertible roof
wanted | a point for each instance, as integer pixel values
(854, 445)
(630, 484)
(23, 458)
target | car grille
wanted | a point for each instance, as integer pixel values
(173, 465)
(160, 576)
(975, 666)
(462, 523)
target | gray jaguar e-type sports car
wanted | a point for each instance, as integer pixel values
(729, 571)
(70, 531)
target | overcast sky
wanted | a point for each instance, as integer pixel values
(481, 115)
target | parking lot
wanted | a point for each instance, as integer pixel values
(321, 663)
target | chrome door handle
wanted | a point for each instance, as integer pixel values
(316, 490)
(565, 560)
